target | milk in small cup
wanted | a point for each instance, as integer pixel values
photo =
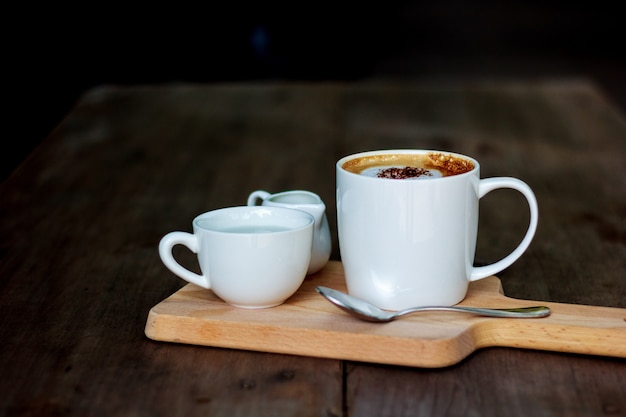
(312, 204)
(408, 222)
(250, 257)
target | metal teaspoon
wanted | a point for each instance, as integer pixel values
(369, 312)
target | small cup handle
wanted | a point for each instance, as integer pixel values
(256, 195)
(165, 252)
(490, 184)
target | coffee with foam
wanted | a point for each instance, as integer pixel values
(409, 166)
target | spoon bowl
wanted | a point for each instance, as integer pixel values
(369, 312)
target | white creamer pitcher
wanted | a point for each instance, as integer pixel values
(312, 204)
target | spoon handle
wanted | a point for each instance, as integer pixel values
(522, 312)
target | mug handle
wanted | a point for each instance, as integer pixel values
(256, 195)
(490, 184)
(165, 252)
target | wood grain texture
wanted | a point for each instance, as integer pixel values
(81, 218)
(307, 324)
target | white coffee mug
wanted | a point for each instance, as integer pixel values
(250, 257)
(411, 242)
(312, 204)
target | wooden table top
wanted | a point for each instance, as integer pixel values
(81, 219)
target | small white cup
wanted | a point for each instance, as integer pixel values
(250, 257)
(411, 242)
(312, 204)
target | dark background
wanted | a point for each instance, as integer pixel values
(53, 54)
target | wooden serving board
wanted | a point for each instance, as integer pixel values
(309, 325)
